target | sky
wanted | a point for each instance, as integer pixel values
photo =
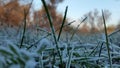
(77, 8)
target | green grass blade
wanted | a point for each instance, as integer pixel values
(107, 43)
(52, 28)
(62, 23)
(26, 12)
(24, 29)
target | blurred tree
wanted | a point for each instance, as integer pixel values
(118, 25)
(84, 29)
(11, 12)
(95, 19)
(41, 18)
(107, 15)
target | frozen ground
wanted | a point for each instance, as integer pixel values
(39, 51)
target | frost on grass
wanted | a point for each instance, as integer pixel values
(30, 64)
(81, 50)
(15, 66)
(44, 42)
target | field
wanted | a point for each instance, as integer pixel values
(35, 47)
(39, 51)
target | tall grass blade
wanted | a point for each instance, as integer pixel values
(52, 28)
(107, 43)
(26, 12)
(24, 29)
(100, 51)
(62, 23)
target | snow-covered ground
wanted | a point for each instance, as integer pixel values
(39, 50)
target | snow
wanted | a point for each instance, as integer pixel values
(30, 64)
(15, 66)
(77, 50)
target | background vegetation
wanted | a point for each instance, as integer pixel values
(46, 39)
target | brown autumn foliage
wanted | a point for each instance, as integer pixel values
(41, 19)
(110, 29)
(118, 25)
(84, 29)
(12, 13)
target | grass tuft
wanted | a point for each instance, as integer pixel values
(26, 12)
(107, 42)
(63, 23)
(53, 31)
